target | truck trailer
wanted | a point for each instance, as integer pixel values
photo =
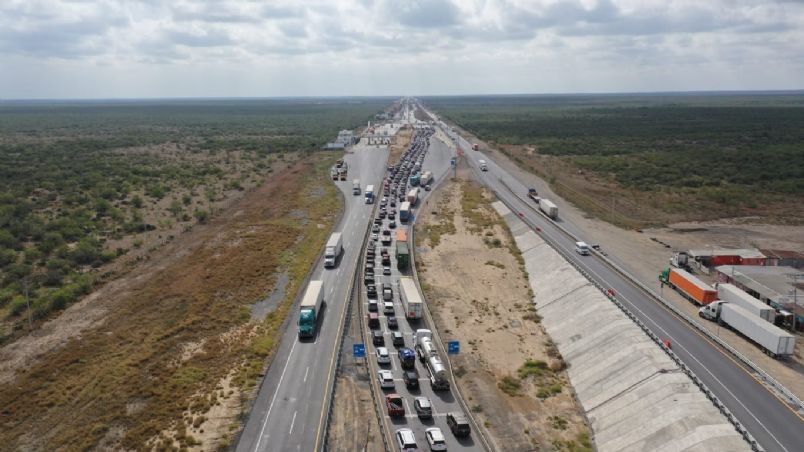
(733, 294)
(773, 340)
(689, 286)
(549, 209)
(413, 196)
(411, 300)
(333, 249)
(439, 380)
(404, 212)
(426, 178)
(310, 308)
(369, 194)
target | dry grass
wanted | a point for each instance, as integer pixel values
(123, 384)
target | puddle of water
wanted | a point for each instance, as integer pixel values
(265, 306)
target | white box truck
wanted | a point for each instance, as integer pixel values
(413, 196)
(411, 300)
(550, 209)
(333, 249)
(483, 165)
(733, 294)
(775, 341)
(369, 194)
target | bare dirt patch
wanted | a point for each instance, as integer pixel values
(475, 284)
(168, 348)
(399, 144)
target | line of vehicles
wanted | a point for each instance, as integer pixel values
(381, 292)
(732, 307)
(545, 205)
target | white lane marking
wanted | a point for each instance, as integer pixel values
(292, 423)
(271, 406)
(405, 402)
(305, 374)
(676, 344)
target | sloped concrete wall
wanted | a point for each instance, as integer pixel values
(634, 395)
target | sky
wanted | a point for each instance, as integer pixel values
(247, 48)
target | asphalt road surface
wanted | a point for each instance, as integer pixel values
(436, 160)
(288, 412)
(774, 425)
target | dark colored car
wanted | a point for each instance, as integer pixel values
(371, 291)
(458, 424)
(373, 306)
(411, 379)
(377, 337)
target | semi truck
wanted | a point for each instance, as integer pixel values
(549, 209)
(404, 212)
(356, 187)
(733, 294)
(439, 380)
(411, 300)
(333, 249)
(475, 147)
(407, 358)
(402, 255)
(689, 286)
(414, 179)
(413, 196)
(369, 194)
(310, 308)
(427, 177)
(483, 165)
(773, 340)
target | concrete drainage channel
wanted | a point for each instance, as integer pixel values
(612, 297)
(792, 399)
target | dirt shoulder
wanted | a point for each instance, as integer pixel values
(511, 375)
(168, 355)
(645, 258)
(399, 144)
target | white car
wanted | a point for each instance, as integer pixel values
(406, 440)
(383, 357)
(386, 379)
(388, 308)
(435, 438)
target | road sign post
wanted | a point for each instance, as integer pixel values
(358, 351)
(453, 347)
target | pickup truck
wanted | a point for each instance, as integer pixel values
(395, 405)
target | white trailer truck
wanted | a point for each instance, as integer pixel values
(411, 300)
(369, 194)
(550, 209)
(333, 249)
(775, 341)
(733, 294)
(311, 308)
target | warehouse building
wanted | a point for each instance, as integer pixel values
(783, 258)
(780, 287)
(713, 257)
(345, 139)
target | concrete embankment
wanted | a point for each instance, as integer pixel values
(635, 397)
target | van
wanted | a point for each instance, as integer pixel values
(483, 166)
(582, 248)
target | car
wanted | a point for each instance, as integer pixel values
(458, 424)
(423, 407)
(375, 236)
(377, 338)
(388, 308)
(369, 279)
(435, 439)
(375, 228)
(411, 379)
(373, 320)
(383, 357)
(392, 224)
(383, 213)
(371, 291)
(377, 221)
(397, 338)
(371, 246)
(386, 232)
(406, 440)
(387, 292)
(386, 270)
(373, 306)
(385, 378)
(383, 201)
(427, 188)
(393, 203)
(370, 263)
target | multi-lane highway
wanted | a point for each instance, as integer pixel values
(436, 160)
(774, 425)
(288, 413)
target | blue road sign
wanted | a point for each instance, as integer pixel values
(453, 347)
(359, 350)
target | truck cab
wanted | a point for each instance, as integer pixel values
(582, 248)
(711, 311)
(483, 165)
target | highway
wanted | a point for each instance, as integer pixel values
(436, 160)
(774, 425)
(287, 414)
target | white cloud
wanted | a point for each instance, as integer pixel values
(131, 48)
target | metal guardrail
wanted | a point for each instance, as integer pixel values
(355, 285)
(611, 296)
(458, 395)
(793, 399)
